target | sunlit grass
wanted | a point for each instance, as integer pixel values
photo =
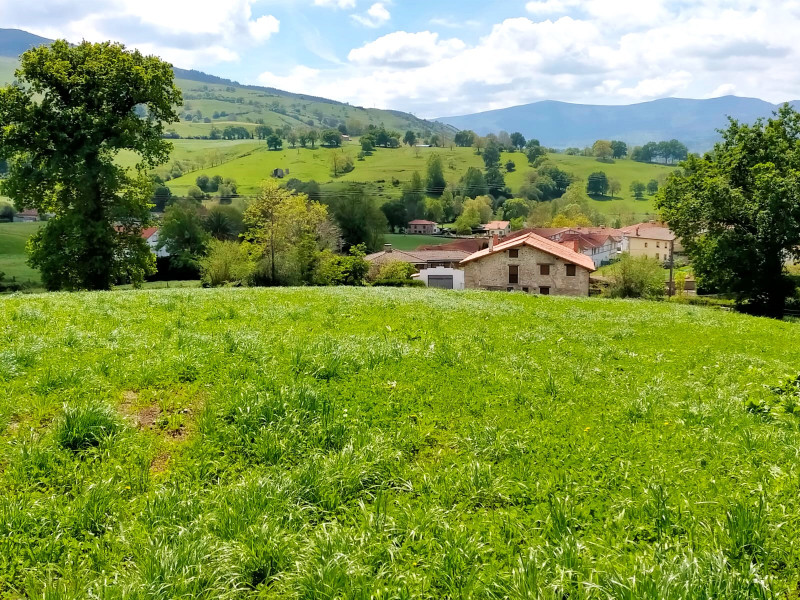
(379, 443)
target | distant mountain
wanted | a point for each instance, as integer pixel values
(561, 125)
(14, 42)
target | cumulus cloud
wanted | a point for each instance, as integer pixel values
(405, 50)
(190, 33)
(376, 15)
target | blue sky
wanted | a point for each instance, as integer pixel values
(446, 57)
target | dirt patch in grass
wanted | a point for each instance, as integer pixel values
(160, 463)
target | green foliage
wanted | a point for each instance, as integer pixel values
(472, 184)
(395, 271)
(410, 138)
(226, 263)
(359, 218)
(7, 213)
(224, 223)
(652, 187)
(183, 234)
(396, 214)
(331, 138)
(518, 140)
(434, 178)
(534, 150)
(414, 196)
(465, 138)
(597, 184)
(72, 112)
(670, 152)
(602, 149)
(85, 426)
(737, 211)
(335, 269)
(619, 149)
(636, 277)
(638, 189)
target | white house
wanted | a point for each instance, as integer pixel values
(151, 237)
(445, 278)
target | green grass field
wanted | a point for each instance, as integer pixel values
(412, 242)
(13, 237)
(386, 165)
(376, 443)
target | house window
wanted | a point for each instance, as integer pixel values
(657, 257)
(571, 270)
(645, 244)
(658, 244)
(544, 269)
(509, 289)
(526, 290)
(544, 291)
(513, 253)
(513, 274)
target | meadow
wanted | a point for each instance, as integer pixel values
(412, 242)
(388, 169)
(13, 237)
(383, 443)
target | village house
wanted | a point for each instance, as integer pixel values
(653, 240)
(421, 259)
(150, 235)
(498, 228)
(529, 263)
(601, 244)
(422, 227)
(28, 215)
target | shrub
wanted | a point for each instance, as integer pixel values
(395, 271)
(83, 427)
(334, 269)
(639, 277)
(226, 263)
(6, 213)
(399, 283)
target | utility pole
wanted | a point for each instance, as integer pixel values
(671, 291)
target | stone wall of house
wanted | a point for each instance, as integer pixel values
(491, 273)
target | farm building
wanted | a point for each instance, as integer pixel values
(498, 228)
(531, 264)
(654, 240)
(27, 216)
(423, 227)
(421, 259)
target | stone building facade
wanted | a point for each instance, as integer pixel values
(534, 266)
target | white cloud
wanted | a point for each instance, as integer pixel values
(376, 15)
(298, 80)
(726, 89)
(342, 4)
(403, 49)
(189, 33)
(658, 87)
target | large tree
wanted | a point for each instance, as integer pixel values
(62, 125)
(737, 211)
(434, 178)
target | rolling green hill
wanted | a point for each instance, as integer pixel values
(373, 443)
(386, 165)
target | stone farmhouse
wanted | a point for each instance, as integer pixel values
(529, 263)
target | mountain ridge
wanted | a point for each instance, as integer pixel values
(563, 124)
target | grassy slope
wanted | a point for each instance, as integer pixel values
(414, 443)
(13, 237)
(412, 242)
(385, 165)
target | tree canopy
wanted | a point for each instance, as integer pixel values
(71, 111)
(737, 211)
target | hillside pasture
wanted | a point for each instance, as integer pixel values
(388, 169)
(13, 237)
(374, 443)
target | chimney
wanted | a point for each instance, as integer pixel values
(492, 242)
(387, 248)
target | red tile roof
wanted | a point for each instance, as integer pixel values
(540, 243)
(148, 233)
(420, 256)
(421, 222)
(497, 225)
(650, 231)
